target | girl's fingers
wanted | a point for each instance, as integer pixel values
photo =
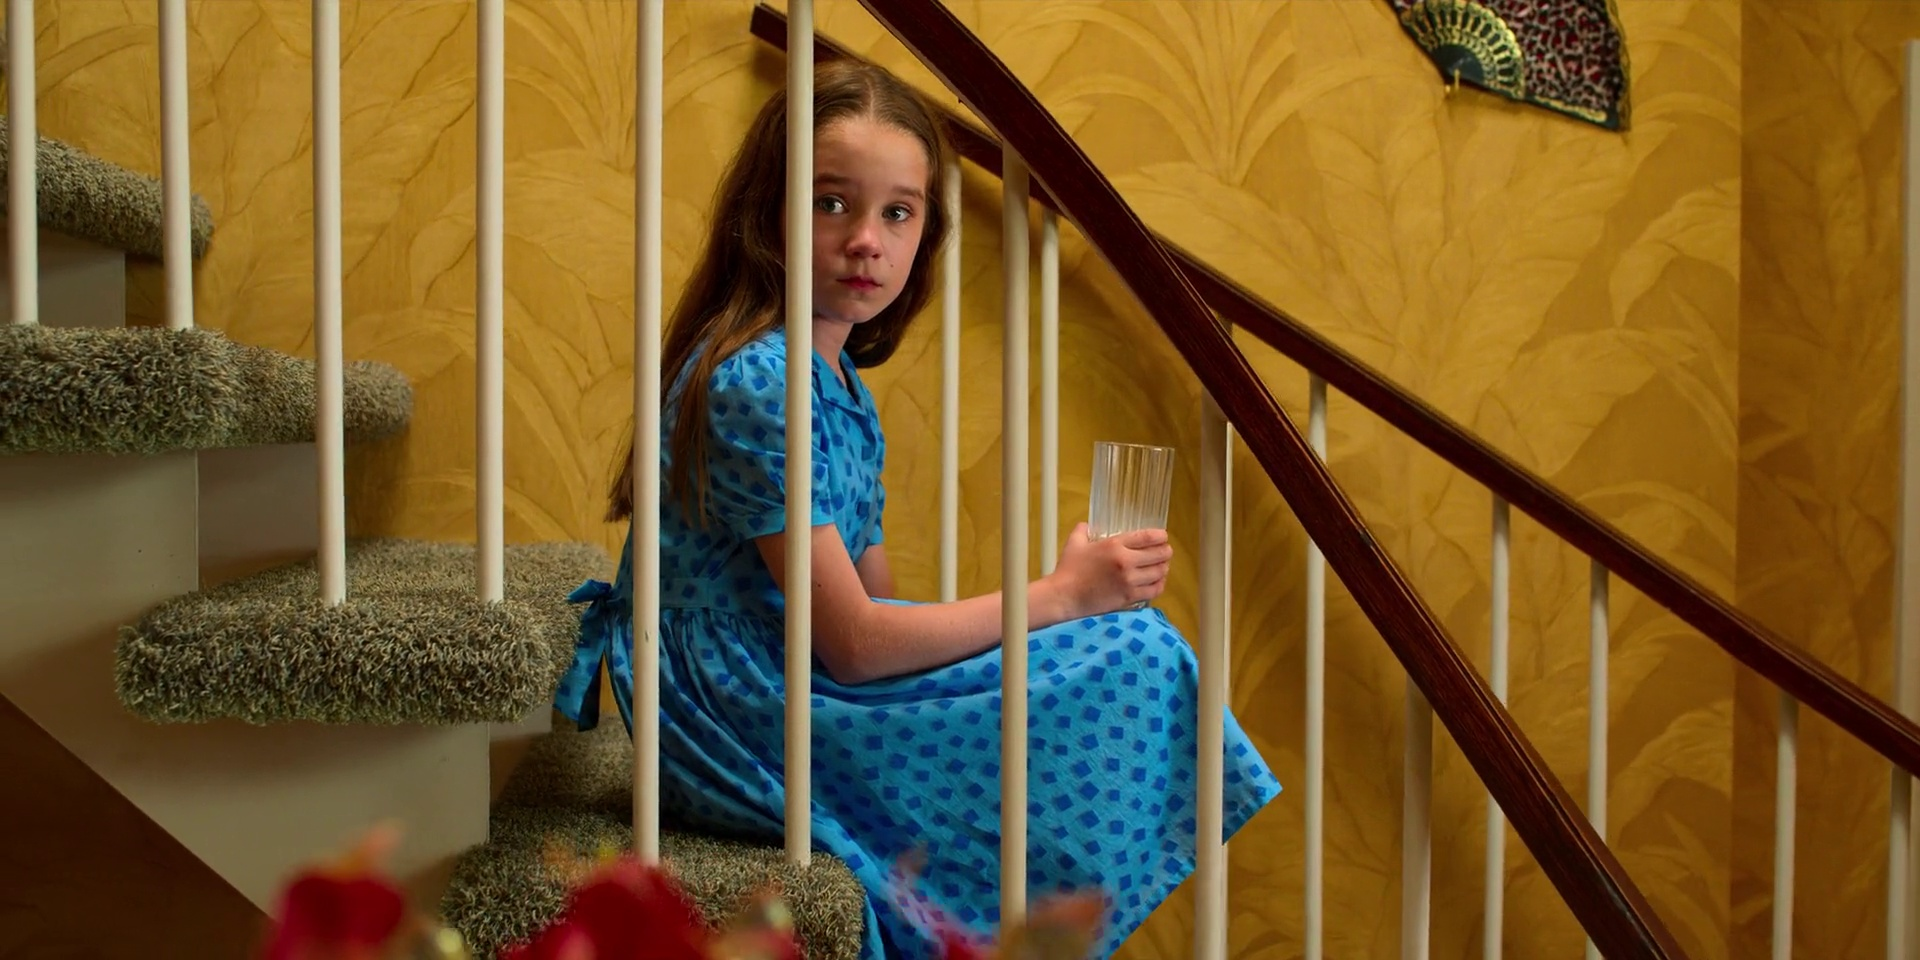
(1149, 591)
(1145, 539)
(1151, 573)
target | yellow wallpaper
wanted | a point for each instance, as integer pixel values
(1819, 442)
(1568, 292)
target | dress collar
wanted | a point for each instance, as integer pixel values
(851, 395)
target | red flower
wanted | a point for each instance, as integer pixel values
(622, 912)
(956, 946)
(339, 911)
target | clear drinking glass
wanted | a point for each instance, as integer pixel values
(1132, 484)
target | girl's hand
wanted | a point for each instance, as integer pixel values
(1096, 577)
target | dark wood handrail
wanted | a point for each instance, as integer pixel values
(1813, 683)
(1593, 883)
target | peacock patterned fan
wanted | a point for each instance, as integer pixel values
(1568, 56)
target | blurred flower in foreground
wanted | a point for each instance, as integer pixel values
(346, 909)
(1063, 926)
(621, 909)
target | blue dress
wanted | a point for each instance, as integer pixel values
(909, 763)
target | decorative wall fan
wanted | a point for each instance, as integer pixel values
(1568, 56)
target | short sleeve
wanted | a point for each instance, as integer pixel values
(746, 460)
(877, 518)
(876, 524)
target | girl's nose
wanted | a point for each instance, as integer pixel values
(864, 241)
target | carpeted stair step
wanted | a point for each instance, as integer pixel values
(145, 390)
(91, 199)
(74, 387)
(574, 790)
(412, 644)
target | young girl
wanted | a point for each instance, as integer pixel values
(906, 704)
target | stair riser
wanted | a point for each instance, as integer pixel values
(258, 510)
(81, 284)
(95, 541)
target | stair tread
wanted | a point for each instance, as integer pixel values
(412, 643)
(89, 198)
(147, 390)
(575, 789)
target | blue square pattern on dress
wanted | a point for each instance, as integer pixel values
(911, 761)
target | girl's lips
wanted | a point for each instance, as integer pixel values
(860, 283)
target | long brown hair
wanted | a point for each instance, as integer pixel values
(737, 292)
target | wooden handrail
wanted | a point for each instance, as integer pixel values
(1568, 849)
(1869, 719)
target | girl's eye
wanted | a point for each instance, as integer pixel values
(899, 212)
(829, 204)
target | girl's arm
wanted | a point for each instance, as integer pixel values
(876, 575)
(858, 640)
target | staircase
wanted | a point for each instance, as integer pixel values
(157, 489)
(164, 629)
(158, 492)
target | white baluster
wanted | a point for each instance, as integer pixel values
(1049, 390)
(1210, 903)
(176, 172)
(23, 141)
(1316, 695)
(1416, 834)
(950, 391)
(1597, 651)
(1901, 883)
(1416, 837)
(1786, 782)
(1014, 544)
(489, 300)
(799, 462)
(1494, 933)
(1226, 646)
(649, 134)
(329, 429)
(1903, 844)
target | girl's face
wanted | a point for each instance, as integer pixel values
(869, 210)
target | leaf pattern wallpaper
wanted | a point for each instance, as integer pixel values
(1574, 295)
(1820, 319)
